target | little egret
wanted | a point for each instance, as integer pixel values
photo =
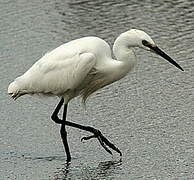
(79, 68)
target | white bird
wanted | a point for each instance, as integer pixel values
(79, 68)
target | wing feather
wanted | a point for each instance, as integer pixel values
(55, 77)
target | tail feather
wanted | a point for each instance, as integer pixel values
(14, 90)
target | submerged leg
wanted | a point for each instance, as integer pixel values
(63, 129)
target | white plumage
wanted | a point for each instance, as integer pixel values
(82, 66)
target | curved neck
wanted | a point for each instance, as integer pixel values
(123, 51)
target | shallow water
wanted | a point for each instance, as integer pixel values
(148, 114)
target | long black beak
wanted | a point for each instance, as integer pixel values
(165, 56)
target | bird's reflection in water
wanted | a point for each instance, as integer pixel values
(107, 169)
(63, 172)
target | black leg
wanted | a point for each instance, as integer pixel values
(64, 134)
(63, 131)
(54, 116)
(96, 133)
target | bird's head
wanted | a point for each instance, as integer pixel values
(141, 39)
(138, 37)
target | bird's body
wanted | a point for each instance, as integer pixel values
(80, 67)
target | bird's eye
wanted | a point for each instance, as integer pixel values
(145, 43)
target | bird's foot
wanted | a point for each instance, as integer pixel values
(105, 143)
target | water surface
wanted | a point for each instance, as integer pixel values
(148, 114)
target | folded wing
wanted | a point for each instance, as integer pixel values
(54, 75)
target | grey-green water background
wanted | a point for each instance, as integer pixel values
(149, 114)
